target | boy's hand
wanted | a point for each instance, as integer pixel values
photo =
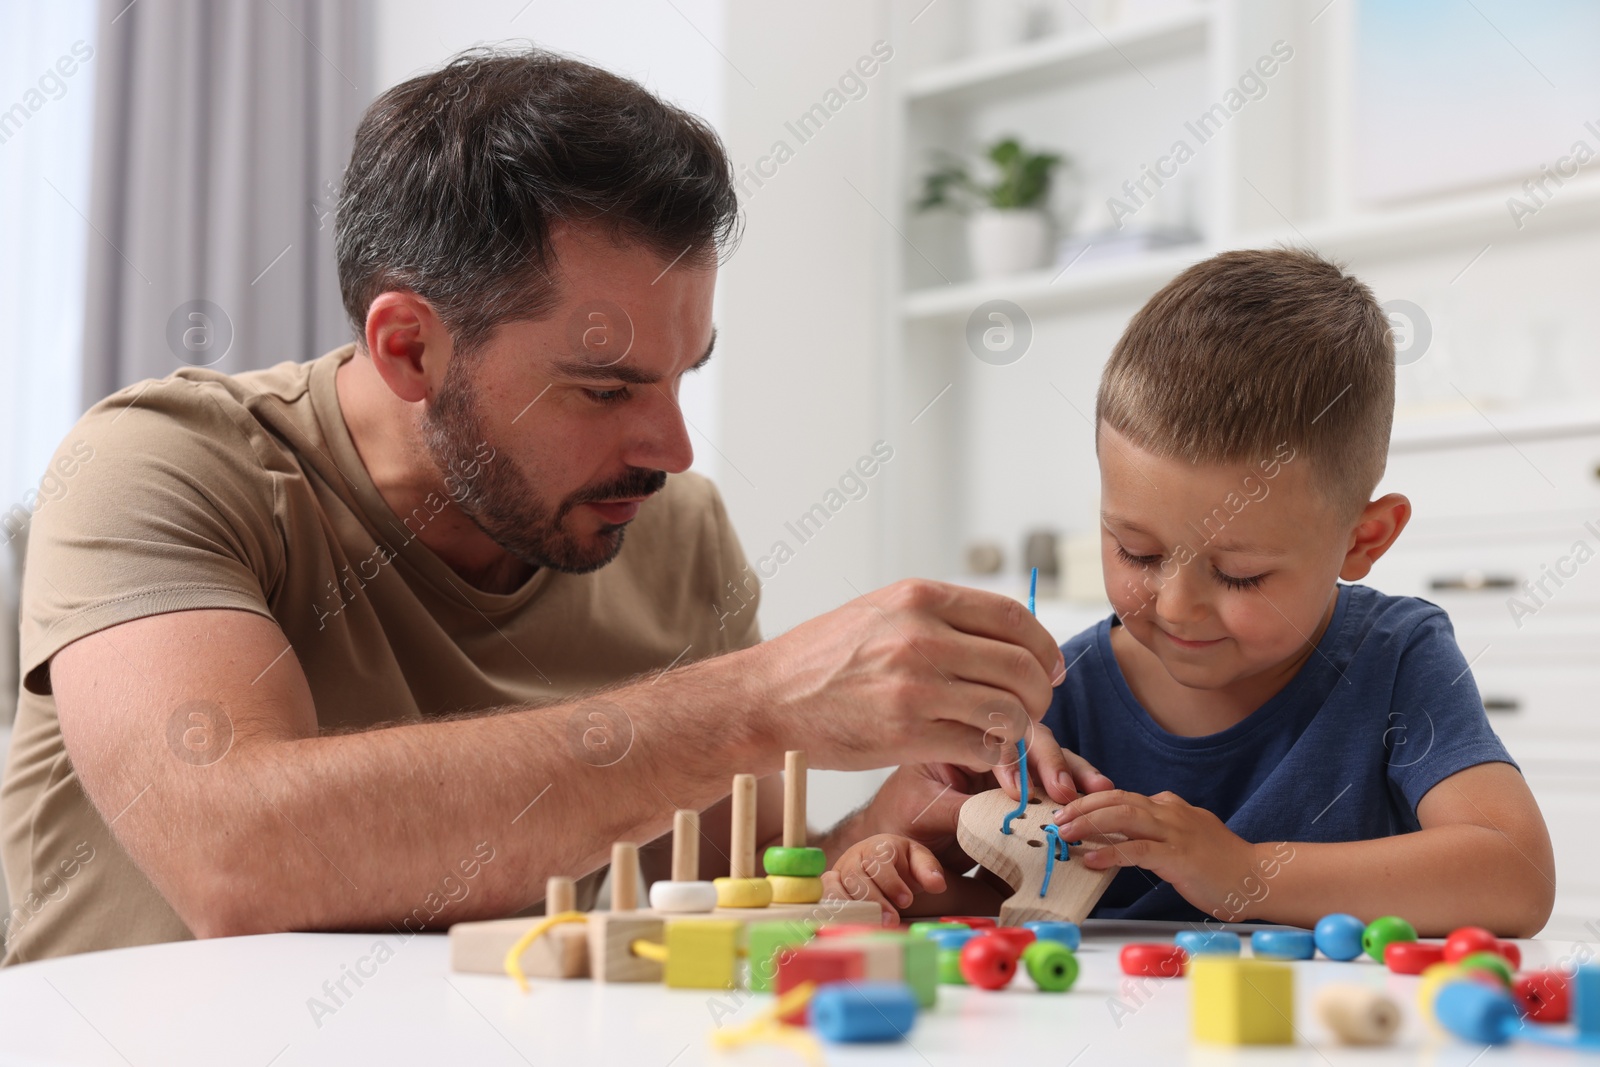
(920, 801)
(888, 869)
(1212, 867)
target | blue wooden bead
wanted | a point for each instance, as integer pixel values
(1068, 934)
(1338, 936)
(1586, 1001)
(953, 939)
(851, 1012)
(1283, 944)
(1475, 1012)
(1208, 942)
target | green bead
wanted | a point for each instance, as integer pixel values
(1052, 965)
(950, 967)
(1381, 932)
(795, 862)
(1488, 961)
(923, 929)
(766, 940)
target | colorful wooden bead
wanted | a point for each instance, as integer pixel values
(950, 967)
(988, 962)
(1069, 934)
(1586, 1001)
(1017, 937)
(743, 892)
(1357, 1015)
(832, 930)
(702, 953)
(820, 965)
(1283, 944)
(1153, 960)
(919, 929)
(1052, 966)
(1383, 931)
(950, 938)
(1208, 942)
(766, 941)
(794, 862)
(868, 1011)
(977, 922)
(1338, 936)
(1544, 996)
(1476, 1012)
(1490, 962)
(1412, 957)
(1465, 940)
(683, 898)
(789, 890)
(1511, 952)
(1241, 1002)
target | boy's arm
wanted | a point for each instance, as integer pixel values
(1482, 858)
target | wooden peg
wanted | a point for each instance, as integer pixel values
(624, 876)
(742, 854)
(560, 894)
(686, 845)
(794, 800)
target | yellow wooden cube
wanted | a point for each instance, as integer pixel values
(1241, 1001)
(702, 953)
(789, 890)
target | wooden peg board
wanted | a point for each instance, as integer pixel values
(1019, 858)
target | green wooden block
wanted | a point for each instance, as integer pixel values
(765, 940)
(922, 970)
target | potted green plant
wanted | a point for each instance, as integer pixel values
(1009, 227)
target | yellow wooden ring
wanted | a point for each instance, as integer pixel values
(743, 892)
(787, 890)
(1434, 976)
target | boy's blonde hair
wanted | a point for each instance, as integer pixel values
(1250, 349)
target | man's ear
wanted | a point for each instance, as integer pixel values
(1376, 528)
(409, 345)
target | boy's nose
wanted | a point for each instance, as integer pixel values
(1179, 601)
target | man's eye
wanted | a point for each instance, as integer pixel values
(1233, 582)
(606, 396)
(1137, 561)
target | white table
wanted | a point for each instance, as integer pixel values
(244, 1002)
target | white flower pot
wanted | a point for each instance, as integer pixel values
(1006, 241)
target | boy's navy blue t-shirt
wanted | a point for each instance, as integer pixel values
(1381, 713)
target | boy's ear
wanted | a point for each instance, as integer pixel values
(1376, 528)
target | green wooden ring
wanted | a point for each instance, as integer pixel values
(795, 862)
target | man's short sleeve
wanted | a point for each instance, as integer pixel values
(1437, 725)
(739, 590)
(160, 499)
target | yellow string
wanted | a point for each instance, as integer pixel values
(765, 1027)
(513, 962)
(648, 950)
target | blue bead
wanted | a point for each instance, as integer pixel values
(953, 939)
(849, 1012)
(1068, 934)
(1208, 942)
(1338, 936)
(1283, 944)
(1475, 1012)
(1586, 1001)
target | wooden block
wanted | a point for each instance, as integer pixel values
(819, 963)
(1241, 1002)
(481, 947)
(702, 953)
(610, 957)
(883, 959)
(766, 940)
(1019, 859)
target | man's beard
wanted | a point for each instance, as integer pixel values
(499, 499)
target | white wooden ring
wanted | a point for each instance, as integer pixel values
(683, 897)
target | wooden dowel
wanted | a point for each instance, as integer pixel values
(794, 800)
(560, 894)
(742, 854)
(624, 876)
(686, 846)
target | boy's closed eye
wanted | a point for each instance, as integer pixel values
(1232, 581)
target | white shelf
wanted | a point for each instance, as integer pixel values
(1465, 426)
(1061, 58)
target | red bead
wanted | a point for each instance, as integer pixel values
(1467, 940)
(820, 964)
(977, 922)
(1544, 996)
(988, 962)
(852, 929)
(1412, 957)
(1512, 953)
(1015, 936)
(1154, 960)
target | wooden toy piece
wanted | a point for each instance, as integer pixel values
(1208, 942)
(1241, 1002)
(560, 894)
(1153, 960)
(868, 1012)
(1283, 945)
(1465, 940)
(562, 952)
(1357, 1015)
(974, 921)
(795, 833)
(818, 964)
(1338, 936)
(624, 876)
(1490, 963)
(702, 953)
(1412, 957)
(1052, 966)
(786, 890)
(1586, 1001)
(1476, 1012)
(1069, 934)
(1544, 996)
(1019, 859)
(766, 940)
(798, 865)
(882, 958)
(742, 889)
(1384, 931)
(1511, 952)
(989, 962)
(611, 954)
(685, 893)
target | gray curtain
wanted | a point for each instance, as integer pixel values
(221, 130)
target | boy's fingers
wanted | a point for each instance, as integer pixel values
(888, 880)
(926, 869)
(1132, 820)
(1092, 802)
(1122, 854)
(1052, 766)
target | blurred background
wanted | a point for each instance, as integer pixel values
(953, 207)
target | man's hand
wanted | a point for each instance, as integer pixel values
(1209, 865)
(905, 674)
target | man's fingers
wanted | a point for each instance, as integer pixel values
(1012, 672)
(999, 618)
(1051, 769)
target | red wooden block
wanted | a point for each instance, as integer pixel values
(1412, 957)
(1544, 996)
(820, 964)
(977, 922)
(1164, 960)
(852, 929)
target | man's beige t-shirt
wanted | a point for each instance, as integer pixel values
(203, 490)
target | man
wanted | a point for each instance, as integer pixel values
(389, 637)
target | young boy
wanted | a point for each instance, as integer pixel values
(1282, 745)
